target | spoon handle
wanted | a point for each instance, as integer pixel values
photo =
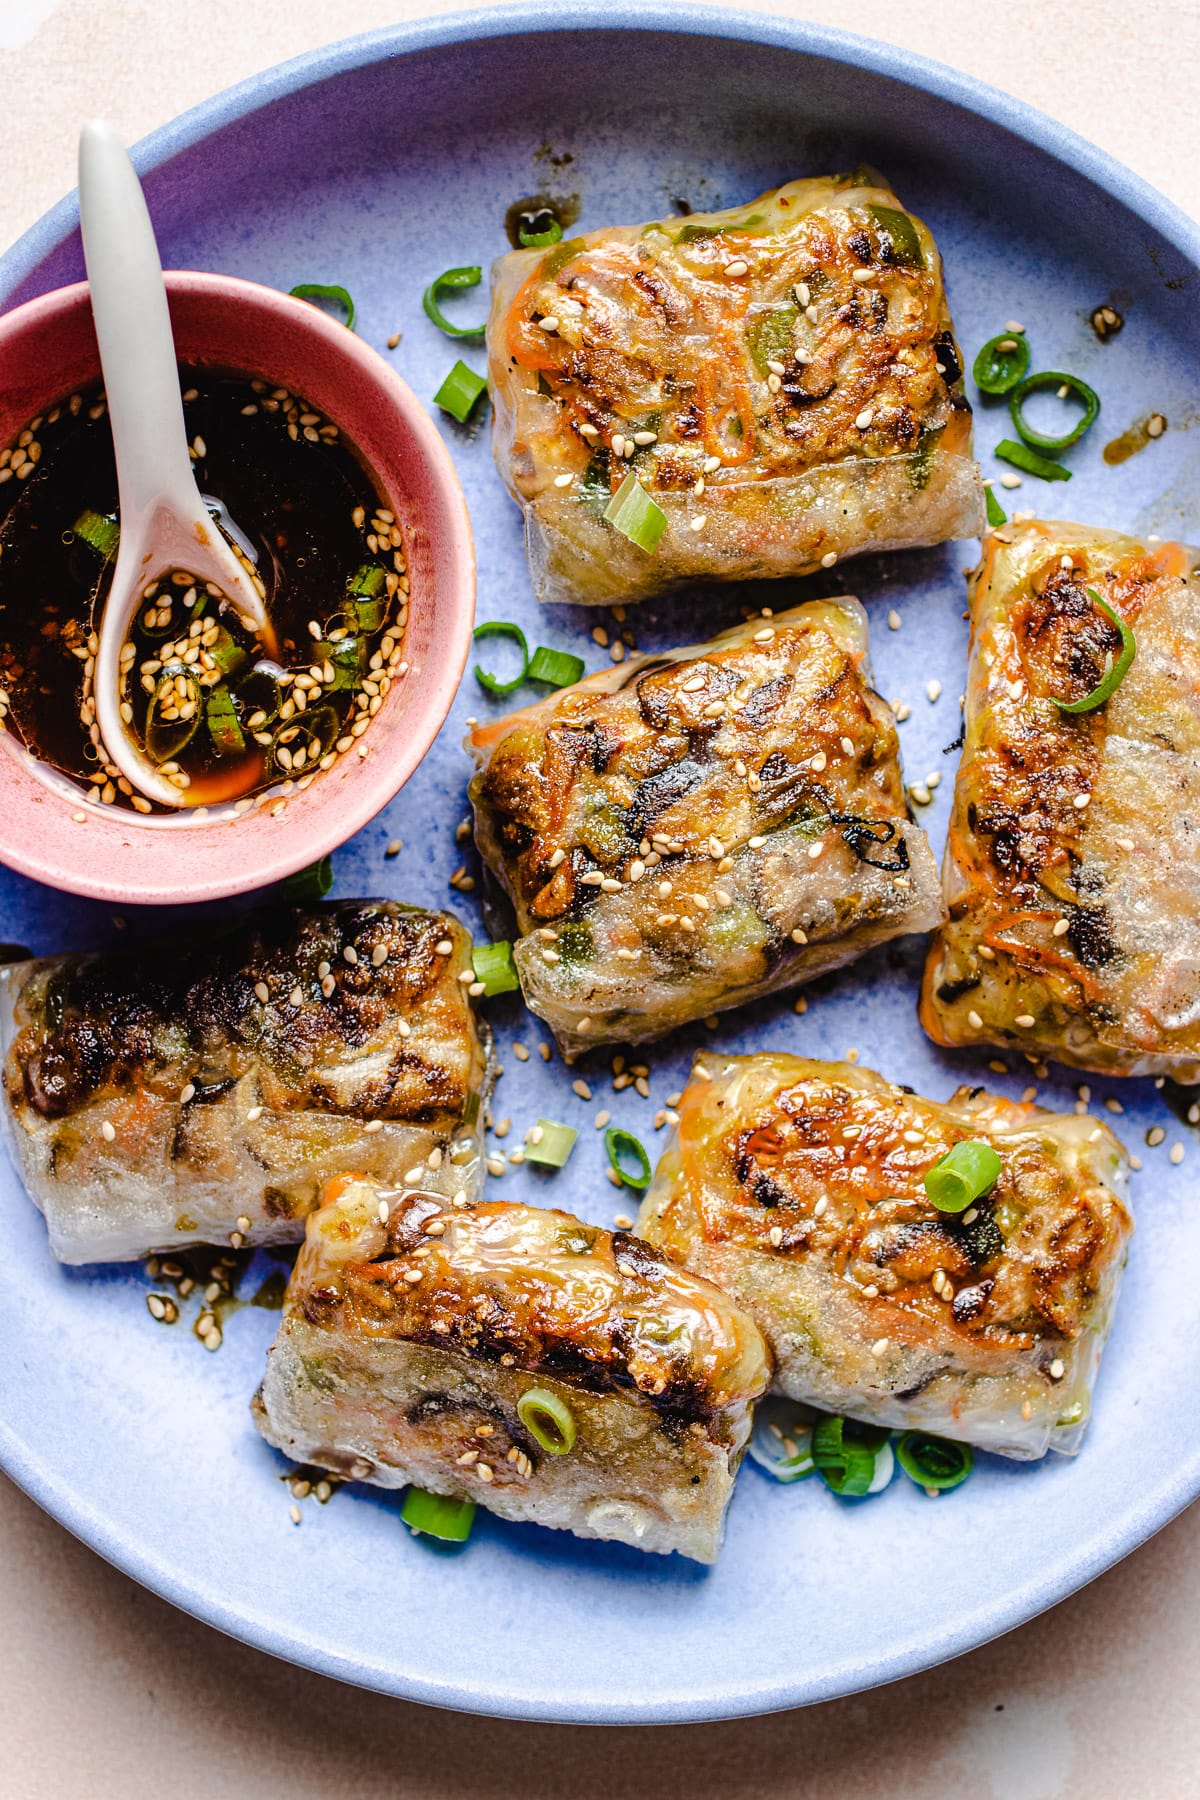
(133, 330)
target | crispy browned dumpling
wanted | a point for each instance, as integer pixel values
(1072, 872)
(799, 1186)
(413, 1329)
(686, 832)
(162, 1097)
(782, 378)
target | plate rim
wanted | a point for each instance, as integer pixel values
(81, 1514)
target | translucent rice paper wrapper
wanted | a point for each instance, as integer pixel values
(654, 882)
(1072, 868)
(225, 1114)
(799, 1187)
(774, 436)
(393, 1380)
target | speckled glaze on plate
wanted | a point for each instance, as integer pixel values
(377, 164)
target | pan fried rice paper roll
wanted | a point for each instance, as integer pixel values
(799, 1186)
(683, 833)
(1072, 870)
(162, 1097)
(438, 1345)
(782, 380)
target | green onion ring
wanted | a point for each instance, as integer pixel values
(548, 1419)
(1034, 384)
(178, 732)
(965, 1174)
(460, 392)
(493, 684)
(934, 1462)
(554, 668)
(996, 370)
(845, 1452)
(555, 1143)
(618, 1144)
(1112, 679)
(316, 291)
(451, 281)
(438, 1515)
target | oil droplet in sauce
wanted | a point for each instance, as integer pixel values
(537, 213)
(1139, 434)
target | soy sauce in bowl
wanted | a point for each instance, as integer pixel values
(226, 723)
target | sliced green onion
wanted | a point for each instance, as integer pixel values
(996, 514)
(547, 1419)
(349, 659)
(167, 738)
(100, 530)
(1111, 680)
(635, 515)
(220, 715)
(502, 628)
(965, 1174)
(934, 1462)
(452, 281)
(846, 1453)
(782, 1440)
(997, 370)
(438, 1515)
(554, 668)
(493, 965)
(1053, 378)
(539, 240)
(623, 1145)
(316, 291)
(367, 615)
(554, 1144)
(369, 579)
(226, 652)
(460, 391)
(1022, 457)
(312, 883)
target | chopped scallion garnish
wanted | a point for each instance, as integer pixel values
(554, 668)
(220, 715)
(625, 1150)
(1036, 384)
(550, 1145)
(934, 1462)
(1001, 363)
(548, 1419)
(312, 883)
(452, 281)
(100, 530)
(506, 629)
(996, 514)
(493, 965)
(1115, 674)
(369, 579)
(635, 515)
(1022, 457)
(965, 1174)
(316, 291)
(550, 232)
(443, 1516)
(849, 1456)
(460, 391)
(167, 736)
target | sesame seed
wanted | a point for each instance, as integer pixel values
(699, 522)
(933, 690)
(581, 1087)
(1024, 1020)
(865, 418)
(1175, 1153)
(1014, 325)
(1156, 424)
(739, 266)
(443, 947)
(879, 1347)
(819, 1210)
(1057, 1369)
(548, 324)
(563, 481)
(1155, 1136)
(894, 620)
(1061, 927)
(829, 558)
(373, 1125)
(520, 1052)
(1080, 801)
(711, 464)
(262, 991)
(974, 1021)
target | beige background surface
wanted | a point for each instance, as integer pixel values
(106, 1690)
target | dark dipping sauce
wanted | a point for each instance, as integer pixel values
(199, 693)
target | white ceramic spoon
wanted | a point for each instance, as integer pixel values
(164, 523)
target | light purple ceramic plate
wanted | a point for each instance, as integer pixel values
(377, 164)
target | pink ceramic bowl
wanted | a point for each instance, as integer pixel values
(47, 350)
